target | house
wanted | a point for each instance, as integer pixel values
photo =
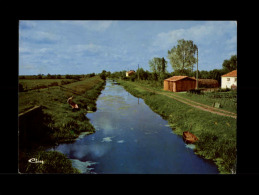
(129, 73)
(179, 83)
(229, 80)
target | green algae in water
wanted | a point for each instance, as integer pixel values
(123, 107)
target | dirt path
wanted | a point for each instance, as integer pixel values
(195, 104)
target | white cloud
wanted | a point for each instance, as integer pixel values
(200, 34)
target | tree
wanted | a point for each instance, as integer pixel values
(39, 76)
(182, 56)
(230, 64)
(103, 75)
(158, 66)
(164, 65)
(143, 75)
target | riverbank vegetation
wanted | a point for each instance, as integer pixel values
(217, 134)
(60, 121)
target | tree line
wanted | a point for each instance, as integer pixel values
(56, 76)
(183, 58)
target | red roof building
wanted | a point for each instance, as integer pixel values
(231, 74)
(179, 83)
(229, 80)
(129, 73)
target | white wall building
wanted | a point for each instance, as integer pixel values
(229, 80)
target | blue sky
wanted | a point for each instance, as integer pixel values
(82, 46)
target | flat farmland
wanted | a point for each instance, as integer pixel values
(31, 84)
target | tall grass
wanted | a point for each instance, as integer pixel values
(64, 124)
(217, 134)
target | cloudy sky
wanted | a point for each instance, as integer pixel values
(82, 47)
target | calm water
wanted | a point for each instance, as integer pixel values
(131, 138)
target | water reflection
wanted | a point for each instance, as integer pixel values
(131, 138)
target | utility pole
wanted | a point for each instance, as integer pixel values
(138, 71)
(197, 71)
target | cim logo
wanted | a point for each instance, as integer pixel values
(35, 160)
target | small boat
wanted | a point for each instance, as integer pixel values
(189, 138)
(73, 105)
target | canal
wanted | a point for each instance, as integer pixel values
(131, 139)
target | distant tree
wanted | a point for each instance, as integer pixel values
(142, 74)
(108, 73)
(186, 72)
(216, 74)
(48, 76)
(68, 76)
(163, 65)
(39, 76)
(58, 76)
(92, 74)
(103, 75)
(158, 67)
(182, 56)
(203, 74)
(230, 64)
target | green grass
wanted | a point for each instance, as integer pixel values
(63, 118)
(227, 100)
(64, 124)
(31, 84)
(53, 162)
(217, 134)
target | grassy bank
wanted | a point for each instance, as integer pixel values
(61, 123)
(217, 134)
(227, 100)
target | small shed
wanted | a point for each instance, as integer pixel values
(179, 83)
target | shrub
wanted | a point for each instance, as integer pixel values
(68, 76)
(224, 90)
(195, 91)
(54, 84)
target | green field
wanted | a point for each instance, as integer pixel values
(63, 124)
(217, 134)
(32, 84)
